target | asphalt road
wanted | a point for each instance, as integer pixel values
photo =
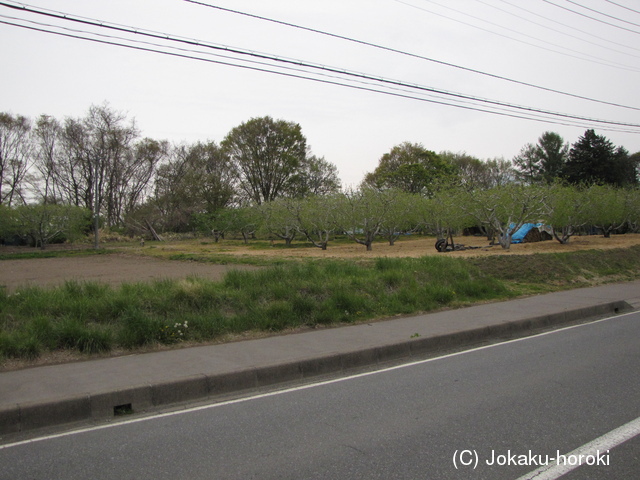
(537, 396)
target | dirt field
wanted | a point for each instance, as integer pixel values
(112, 269)
(406, 247)
(136, 267)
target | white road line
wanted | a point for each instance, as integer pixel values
(598, 447)
(301, 387)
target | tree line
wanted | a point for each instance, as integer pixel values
(58, 175)
(367, 214)
(100, 163)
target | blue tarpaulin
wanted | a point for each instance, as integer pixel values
(518, 237)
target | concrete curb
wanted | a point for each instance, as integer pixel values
(103, 406)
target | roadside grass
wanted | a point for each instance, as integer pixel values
(547, 272)
(93, 318)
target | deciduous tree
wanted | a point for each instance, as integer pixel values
(505, 209)
(15, 154)
(267, 153)
(410, 167)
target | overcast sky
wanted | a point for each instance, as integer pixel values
(186, 100)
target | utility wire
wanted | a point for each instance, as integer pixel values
(264, 56)
(622, 6)
(413, 55)
(537, 118)
(395, 83)
(568, 26)
(76, 34)
(561, 32)
(583, 56)
(603, 14)
(591, 18)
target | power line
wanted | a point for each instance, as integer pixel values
(580, 56)
(264, 56)
(591, 34)
(591, 18)
(603, 14)
(622, 6)
(401, 52)
(323, 69)
(524, 116)
(561, 32)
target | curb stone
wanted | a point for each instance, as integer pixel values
(104, 406)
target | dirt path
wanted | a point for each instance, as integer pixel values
(111, 269)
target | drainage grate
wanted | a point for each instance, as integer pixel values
(124, 409)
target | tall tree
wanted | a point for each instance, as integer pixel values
(267, 153)
(316, 176)
(96, 162)
(410, 167)
(46, 137)
(470, 172)
(15, 153)
(542, 162)
(594, 159)
(133, 179)
(500, 172)
(197, 179)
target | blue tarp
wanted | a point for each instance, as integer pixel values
(518, 237)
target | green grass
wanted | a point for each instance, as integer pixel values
(93, 318)
(53, 253)
(555, 271)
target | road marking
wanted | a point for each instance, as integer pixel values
(598, 446)
(298, 388)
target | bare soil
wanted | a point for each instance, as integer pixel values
(137, 266)
(112, 269)
(414, 246)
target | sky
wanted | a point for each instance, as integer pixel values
(382, 73)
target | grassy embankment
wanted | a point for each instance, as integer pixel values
(95, 318)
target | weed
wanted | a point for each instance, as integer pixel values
(92, 317)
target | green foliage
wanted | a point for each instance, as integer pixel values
(544, 161)
(505, 209)
(8, 222)
(317, 220)
(593, 159)
(281, 217)
(410, 168)
(45, 224)
(609, 207)
(568, 210)
(361, 214)
(445, 212)
(268, 154)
